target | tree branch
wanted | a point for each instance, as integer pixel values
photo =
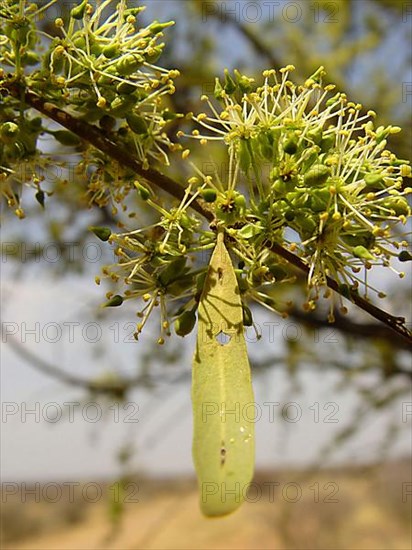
(116, 388)
(98, 139)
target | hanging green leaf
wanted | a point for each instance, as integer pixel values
(222, 394)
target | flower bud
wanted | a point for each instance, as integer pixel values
(143, 191)
(136, 123)
(78, 11)
(405, 256)
(361, 238)
(230, 85)
(317, 175)
(129, 64)
(103, 233)
(319, 199)
(111, 50)
(116, 301)
(374, 181)
(218, 91)
(157, 27)
(124, 88)
(290, 146)
(315, 135)
(245, 83)
(39, 196)
(208, 194)
(363, 253)
(185, 323)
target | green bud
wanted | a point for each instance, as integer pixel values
(311, 157)
(289, 215)
(362, 253)
(245, 83)
(66, 138)
(124, 88)
(218, 89)
(315, 135)
(143, 191)
(240, 203)
(242, 282)
(332, 100)
(111, 50)
(116, 301)
(317, 175)
(230, 85)
(78, 11)
(247, 316)
(103, 233)
(405, 256)
(157, 27)
(208, 194)
(35, 123)
(185, 323)
(129, 64)
(137, 123)
(290, 146)
(40, 196)
(133, 11)
(280, 187)
(374, 181)
(305, 222)
(79, 40)
(319, 199)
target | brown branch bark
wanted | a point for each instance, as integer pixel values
(98, 139)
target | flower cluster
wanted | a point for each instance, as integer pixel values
(307, 169)
(101, 67)
(157, 264)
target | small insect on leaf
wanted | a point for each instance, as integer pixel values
(223, 440)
